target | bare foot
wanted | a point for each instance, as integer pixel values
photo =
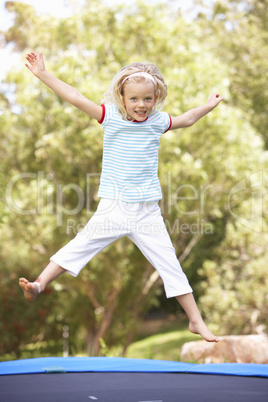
(30, 289)
(200, 328)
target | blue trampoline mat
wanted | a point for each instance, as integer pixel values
(116, 379)
(126, 365)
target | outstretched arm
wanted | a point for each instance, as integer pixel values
(189, 118)
(37, 67)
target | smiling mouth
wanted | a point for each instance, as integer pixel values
(141, 113)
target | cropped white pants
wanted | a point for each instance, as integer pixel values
(143, 224)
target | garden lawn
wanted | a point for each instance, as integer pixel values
(163, 346)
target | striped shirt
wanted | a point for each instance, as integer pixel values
(130, 156)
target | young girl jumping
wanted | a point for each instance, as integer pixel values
(129, 185)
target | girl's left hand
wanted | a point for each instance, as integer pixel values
(214, 100)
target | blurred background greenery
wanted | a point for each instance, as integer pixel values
(213, 175)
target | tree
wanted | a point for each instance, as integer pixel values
(242, 42)
(239, 281)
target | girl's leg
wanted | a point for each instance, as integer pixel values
(196, 323)
(155, 254)
(156, 246)
(96, 235)
(32, 289)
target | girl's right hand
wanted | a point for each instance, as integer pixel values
(37, 64)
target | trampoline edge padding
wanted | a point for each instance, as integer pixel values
(127, 365)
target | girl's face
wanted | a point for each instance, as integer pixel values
(139, 100)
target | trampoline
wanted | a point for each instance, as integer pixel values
(105, 379)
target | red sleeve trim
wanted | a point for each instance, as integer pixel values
(170, 123)
(103, 114)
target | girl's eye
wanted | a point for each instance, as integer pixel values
(148, 99)
(134, 99)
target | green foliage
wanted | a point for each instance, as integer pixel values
(242, 43)
(237, 282)
(18, 329)
(51, 162)
(234, 277)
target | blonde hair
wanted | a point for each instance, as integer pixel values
(115, 92)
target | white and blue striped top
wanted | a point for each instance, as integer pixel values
(130, 156)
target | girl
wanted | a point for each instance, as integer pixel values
(129, 185)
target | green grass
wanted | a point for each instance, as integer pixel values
(164, 346)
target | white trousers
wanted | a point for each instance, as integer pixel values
(143, 224)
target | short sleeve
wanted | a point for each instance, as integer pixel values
(107, 113)
(161, 123)
(166, 121)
